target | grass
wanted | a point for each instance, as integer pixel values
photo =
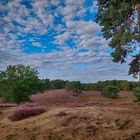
(61, 114)
(5, 105)
(89, 116)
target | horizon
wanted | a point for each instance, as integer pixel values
(61, 39)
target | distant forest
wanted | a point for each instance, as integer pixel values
(98, 86)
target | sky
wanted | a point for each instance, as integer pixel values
(59, 38)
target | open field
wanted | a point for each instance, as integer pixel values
(87, 117)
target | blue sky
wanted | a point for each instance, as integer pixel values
(59, 38)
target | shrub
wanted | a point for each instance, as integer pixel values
(26, 112)
(74, 86)
(136, 92)
(110, 91)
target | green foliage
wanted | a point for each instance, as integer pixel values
(55, 84)
(18, 82)
(74, 86)
(135, 66)
(121, 84)
(117, 18)
(110, 91)
(136, 92)
(48, 84)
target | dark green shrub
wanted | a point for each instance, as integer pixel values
(74, 86)
(136, 92)
(110, 91)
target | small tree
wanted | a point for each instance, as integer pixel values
(57, 84)
(74, 86)
(110, 91)
(18, 82)
(48, 83)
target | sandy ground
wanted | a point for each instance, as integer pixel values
(87, 117)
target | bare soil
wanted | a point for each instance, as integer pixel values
(87, 117)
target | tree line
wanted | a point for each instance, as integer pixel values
(98, 86)
(18, 82)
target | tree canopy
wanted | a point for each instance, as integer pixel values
(120, 21)
(18, 82)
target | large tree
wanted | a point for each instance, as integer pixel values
(120, 21)
(18, 82)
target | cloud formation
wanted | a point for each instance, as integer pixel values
(59, 38)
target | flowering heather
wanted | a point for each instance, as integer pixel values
(52, 98)
(39, 97)
(26, 112)
(28, 105)
(98, 103)
(75, 104)
(61, 114)
(4, 105)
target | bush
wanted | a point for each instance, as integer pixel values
(75, 87)
(136, 92)
(26, 112)
(110, 91)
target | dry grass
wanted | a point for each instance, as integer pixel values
(97, 119)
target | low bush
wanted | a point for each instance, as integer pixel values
(75, 87)
(136, 92)
(26, 112)
(110, 91)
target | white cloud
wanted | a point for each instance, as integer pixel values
(20, 25)
(90, 54)
(36, 44)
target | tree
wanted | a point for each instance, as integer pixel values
(18, 82)
(136, 92)
(55, 84)
(134, 66)
(121, 23)
(125, 85)
(48, 83)
(74, 86)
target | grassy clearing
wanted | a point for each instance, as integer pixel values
(97, 118)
